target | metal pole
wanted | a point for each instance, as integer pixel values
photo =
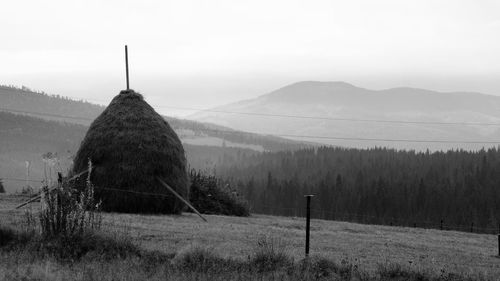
(308, 222)
(126, 65)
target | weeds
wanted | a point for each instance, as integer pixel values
(67, 211)
(394, 271)
(269, 254)
(100, 256)
(197, 258)
(317, 268)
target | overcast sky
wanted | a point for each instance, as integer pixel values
(208, 52)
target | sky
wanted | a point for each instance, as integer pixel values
(200, 53)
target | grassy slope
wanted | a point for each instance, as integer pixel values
(366, 245)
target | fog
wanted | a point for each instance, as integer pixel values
(203, 54)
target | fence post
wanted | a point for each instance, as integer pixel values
(441, 225)
(308, 222)
(472, 227)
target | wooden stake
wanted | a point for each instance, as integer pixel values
(182, 199)
(126, 65)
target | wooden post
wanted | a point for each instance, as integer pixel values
(180, 198)
(308, 222)
(126, 65)
(441, 226)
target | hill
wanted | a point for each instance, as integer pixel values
(336, 104)
(458, 189)
(27, 139)
(34, 123)
(54, 107)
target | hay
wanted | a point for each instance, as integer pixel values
(130, 145)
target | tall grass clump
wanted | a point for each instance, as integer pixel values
(67, 211)
(270, 254)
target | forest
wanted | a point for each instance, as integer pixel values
(456, 189)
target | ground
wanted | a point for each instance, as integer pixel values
(366, 245)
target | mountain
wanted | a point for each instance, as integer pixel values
(46, 130)
(327, 105)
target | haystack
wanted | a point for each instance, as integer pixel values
(130, 145)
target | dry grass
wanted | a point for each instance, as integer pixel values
(364, 246)
(368, 245)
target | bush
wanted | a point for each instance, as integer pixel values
(270, 254)
(67, 211)
(209, 197)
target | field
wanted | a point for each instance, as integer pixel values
(366, 246)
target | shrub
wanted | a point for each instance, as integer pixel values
(209, 197)
(270, 254)
(67, 211)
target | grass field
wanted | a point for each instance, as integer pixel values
(365, 246)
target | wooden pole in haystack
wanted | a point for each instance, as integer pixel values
(126, 66)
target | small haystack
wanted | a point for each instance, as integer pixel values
(130, 145)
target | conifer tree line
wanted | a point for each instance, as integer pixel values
(379, 185)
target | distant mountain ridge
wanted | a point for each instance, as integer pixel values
(340, 100)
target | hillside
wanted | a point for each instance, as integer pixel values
(364, 246)
(332, 106)
(382, 186)
(33, 124)
(51, 107)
